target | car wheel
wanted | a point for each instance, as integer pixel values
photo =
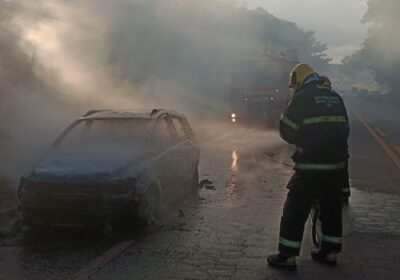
(33, 223)
(29, 220)
(107, 229)
(149, 206)
(127, 218)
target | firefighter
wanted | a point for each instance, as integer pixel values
(316, 122)
(346, 182)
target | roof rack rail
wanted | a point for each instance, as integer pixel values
(91, 112)
(156, 111)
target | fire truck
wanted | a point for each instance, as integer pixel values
(259, 88)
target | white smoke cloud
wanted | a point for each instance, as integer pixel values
(130, 54)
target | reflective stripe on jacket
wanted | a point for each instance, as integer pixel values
(316, 122)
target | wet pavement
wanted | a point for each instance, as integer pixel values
(233, 225)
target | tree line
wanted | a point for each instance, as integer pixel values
(380, 51)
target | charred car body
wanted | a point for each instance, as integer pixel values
(112, 164)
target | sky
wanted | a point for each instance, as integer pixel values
(336, 22)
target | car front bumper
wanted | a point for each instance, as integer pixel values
(72, 209)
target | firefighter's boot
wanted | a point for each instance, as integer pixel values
(282, 261)
(325, 257)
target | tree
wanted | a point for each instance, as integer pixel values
(380, 51)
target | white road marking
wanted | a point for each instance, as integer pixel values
(102, 260)
(379, 139)
(380, 132)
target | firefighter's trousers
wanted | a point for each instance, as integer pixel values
(346, 182)
(304, 188)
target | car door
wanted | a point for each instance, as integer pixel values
(165, 165)
(186, 152)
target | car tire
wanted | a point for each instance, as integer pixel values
(127, 218)
(30, 220)
(107, 229)
(149, 206)
(35, 227)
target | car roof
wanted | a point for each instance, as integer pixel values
(127, 114)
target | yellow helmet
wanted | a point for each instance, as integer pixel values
(299, 74)
(326, 81)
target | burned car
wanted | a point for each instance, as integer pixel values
(112, 164)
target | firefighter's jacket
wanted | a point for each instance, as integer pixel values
(316, 122)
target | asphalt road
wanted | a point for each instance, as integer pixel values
(233, 225)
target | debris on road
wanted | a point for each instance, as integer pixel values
(207, 184)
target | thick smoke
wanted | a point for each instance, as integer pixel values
(62, 58)
(130, 52)
(380, 51)
(29, 109)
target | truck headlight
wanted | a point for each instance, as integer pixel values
(233, 116)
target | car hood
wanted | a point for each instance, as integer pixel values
(70, 166)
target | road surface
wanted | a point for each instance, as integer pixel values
(233, 225)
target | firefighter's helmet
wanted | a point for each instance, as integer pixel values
(326, 81)
(299, 74)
